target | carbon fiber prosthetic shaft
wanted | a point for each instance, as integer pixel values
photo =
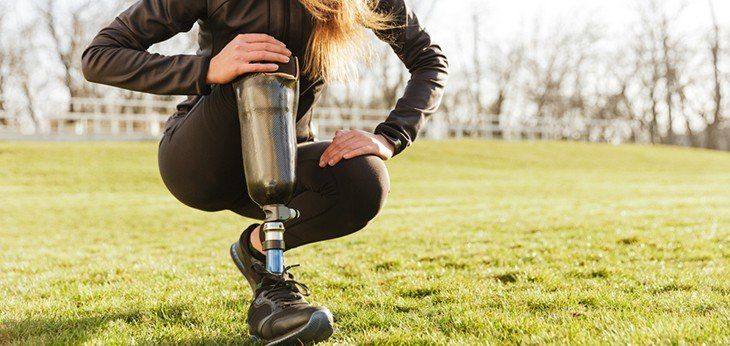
(267, 105)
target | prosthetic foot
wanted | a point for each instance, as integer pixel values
(280, 315)
(267, 105)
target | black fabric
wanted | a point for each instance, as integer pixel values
(201, 163)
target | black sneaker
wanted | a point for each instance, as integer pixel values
(245, 260)
(280, 315)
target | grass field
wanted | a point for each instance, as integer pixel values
(480, 242)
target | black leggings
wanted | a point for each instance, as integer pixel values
(201, 164)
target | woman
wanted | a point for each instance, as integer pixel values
(342, 184)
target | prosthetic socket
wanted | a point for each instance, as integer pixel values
(267, 110)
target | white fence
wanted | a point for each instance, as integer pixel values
(141, 118)
(91, 118)
(115, 119)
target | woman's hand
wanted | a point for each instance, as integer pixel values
(353, 143)
(242, 55)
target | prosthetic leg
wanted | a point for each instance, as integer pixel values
(267, 107)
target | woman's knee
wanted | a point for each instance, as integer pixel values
(197, 185)
(364, 186)
(198, 194)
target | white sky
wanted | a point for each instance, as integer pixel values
(505, 17)
(450, 23)
(503, 20)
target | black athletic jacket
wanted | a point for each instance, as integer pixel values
(118, 54)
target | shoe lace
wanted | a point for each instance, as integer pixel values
(282, 288)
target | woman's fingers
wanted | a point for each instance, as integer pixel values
(264, 47)
(366, 150)
(342, 135)
(257, 56)
(343, 143)
(253, 38)
(247, 53)
(350, 144)
(254, 68)
(344, 148)
(334, 146)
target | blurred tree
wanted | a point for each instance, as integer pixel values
(577, 80)
(656, 53)
(714, 121)
(21, 60)
(69, 31)
(3, 70)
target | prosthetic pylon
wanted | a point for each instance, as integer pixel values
(267, 110)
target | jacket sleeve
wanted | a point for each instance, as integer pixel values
(118, 54)
(428, 67)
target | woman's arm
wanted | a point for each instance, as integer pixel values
(118, 54)
(429, 70)
(428, 67)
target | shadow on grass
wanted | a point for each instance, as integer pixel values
(79, 329)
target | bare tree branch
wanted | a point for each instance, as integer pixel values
(713, 125)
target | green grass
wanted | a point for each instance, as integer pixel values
(480, 242)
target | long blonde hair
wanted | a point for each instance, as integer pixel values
(338, 40)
